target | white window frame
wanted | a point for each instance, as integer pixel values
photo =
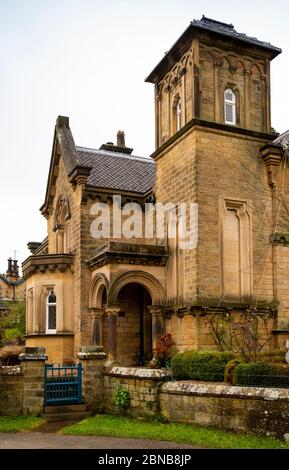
(233, 104)
(50, 304)
(179, 114)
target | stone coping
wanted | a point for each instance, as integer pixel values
(10, 370)
(88, 356)
(140, 373)
(226, 391)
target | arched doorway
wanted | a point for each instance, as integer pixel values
(134, 325)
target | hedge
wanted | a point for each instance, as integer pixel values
(261, 374)
(208, 366)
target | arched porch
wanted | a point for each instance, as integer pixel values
(127, 316)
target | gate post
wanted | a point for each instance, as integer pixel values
(92, 359)
(33, 366)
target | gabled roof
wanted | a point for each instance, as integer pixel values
(113, 169)
(116, 170)
(11, 283)
(283, 139)
(219, 30)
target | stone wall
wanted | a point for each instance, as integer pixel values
(259, 410)
(142, 384)
(22, 387)
(11, 390)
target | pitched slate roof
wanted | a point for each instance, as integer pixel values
(116, 170)
(228, 30)
(206, 24)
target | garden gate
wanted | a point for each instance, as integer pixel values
(63, 385)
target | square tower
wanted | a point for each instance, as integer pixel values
(212, 114)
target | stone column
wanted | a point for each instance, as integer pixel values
(112, 313)
(158, 325)
(92, 359)
(97, 322)
(183, 97)
(33, 362)
(247, 89)
(217, 67)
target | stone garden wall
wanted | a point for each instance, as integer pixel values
(22, 387)
(142, 384)
(11, 390)
(259, 410)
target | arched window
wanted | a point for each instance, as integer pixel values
(179, 114)
(51, 313)
(230, 106)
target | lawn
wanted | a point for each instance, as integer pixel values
(116, 426)
(19, 423)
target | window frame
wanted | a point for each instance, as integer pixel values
(233, 103)
(51, 304)
(179, 115)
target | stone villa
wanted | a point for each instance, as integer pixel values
(215, 147)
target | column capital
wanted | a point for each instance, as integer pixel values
(96, 312)
(112, 310)
(156, 310)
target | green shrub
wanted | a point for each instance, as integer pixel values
(272, 356)
(262, 374)
(121, 398)
(229, 369)
(208, 366)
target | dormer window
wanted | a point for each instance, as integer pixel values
(51, 313)
(230, 107)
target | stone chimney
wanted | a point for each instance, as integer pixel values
(120, 139)
(120, 146)
(13, 269)
(10, 269)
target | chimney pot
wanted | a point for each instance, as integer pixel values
(120, 139)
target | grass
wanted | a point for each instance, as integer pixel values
(116, 426)
(19, 423)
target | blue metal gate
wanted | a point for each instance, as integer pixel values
(63, 385)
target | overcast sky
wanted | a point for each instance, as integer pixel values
(87, 59)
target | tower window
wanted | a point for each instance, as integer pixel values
(51, 313)
(230, 106)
